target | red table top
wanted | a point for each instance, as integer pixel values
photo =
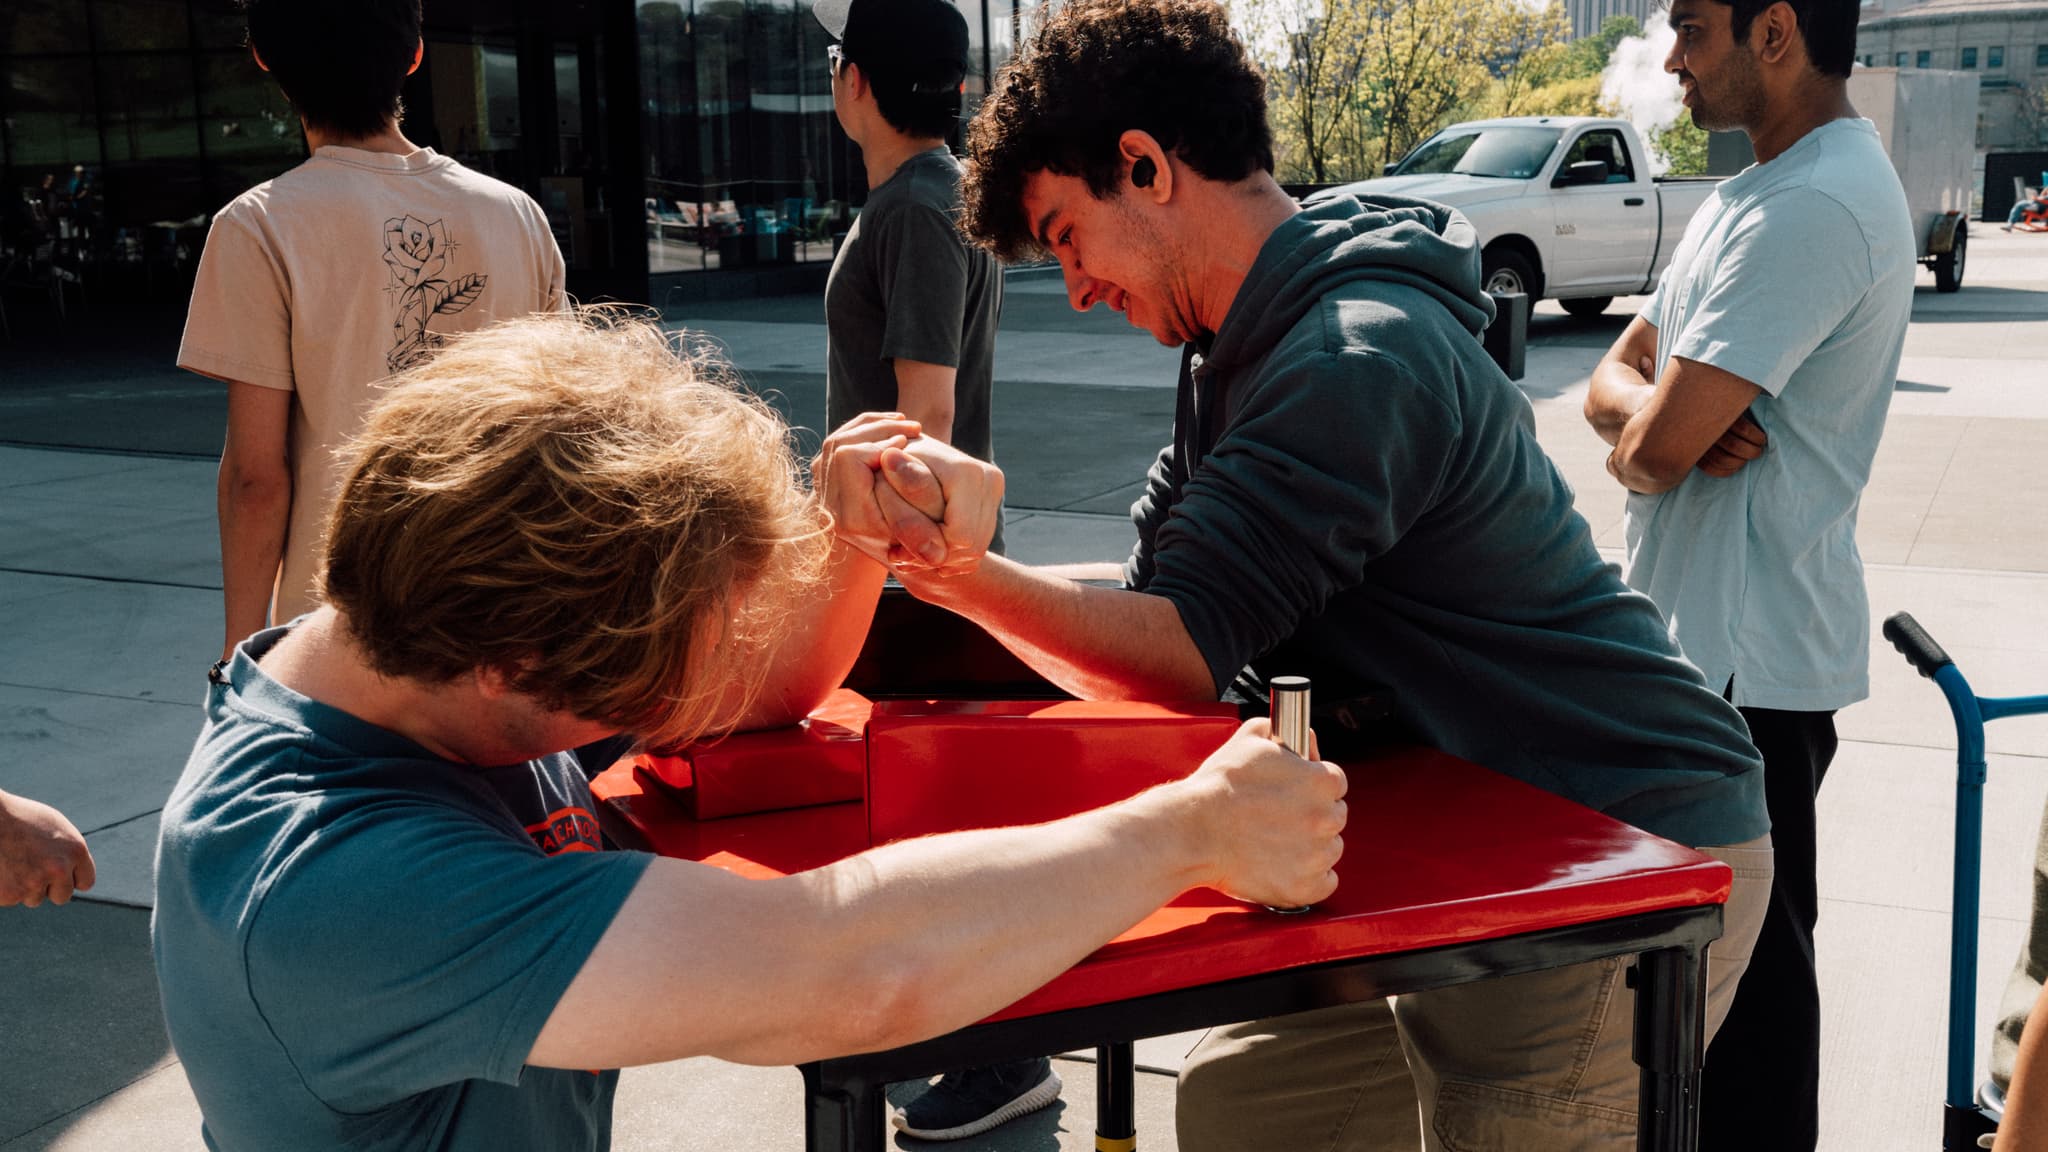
(1438, 851)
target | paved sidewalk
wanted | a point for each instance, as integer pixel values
(109, 600)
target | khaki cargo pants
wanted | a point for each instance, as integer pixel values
(1534, 1063)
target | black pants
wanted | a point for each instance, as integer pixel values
(1761, 1087)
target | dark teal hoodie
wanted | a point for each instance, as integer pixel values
(1355, 494)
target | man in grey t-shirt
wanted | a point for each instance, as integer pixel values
(911, 308)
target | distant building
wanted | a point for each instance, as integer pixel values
(1587, 15)
(2004, 41)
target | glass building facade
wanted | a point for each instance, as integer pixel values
(667, 140)
(746, 164)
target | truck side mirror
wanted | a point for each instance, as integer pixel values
(1583, 172)
(1388, 169)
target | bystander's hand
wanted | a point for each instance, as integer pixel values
(1271, 822)
(42, 856)
(1745, 440)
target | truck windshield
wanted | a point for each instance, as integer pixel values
(1508, 153)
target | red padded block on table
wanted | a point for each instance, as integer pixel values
(759, 846)
(940, 766)
(822, 760)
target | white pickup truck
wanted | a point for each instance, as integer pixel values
(1565, 206)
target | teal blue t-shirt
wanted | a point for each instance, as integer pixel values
(358, 942)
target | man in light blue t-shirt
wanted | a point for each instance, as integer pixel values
(1745, 405)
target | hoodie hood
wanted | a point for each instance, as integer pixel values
(1343, 239)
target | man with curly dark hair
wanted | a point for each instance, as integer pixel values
(1355, 492)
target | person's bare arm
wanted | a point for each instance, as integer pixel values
(1085, 570)
(822, 635)
(1621, 381)
(924, 393)
(1097, 643)
(2025, 1126)
(42, 856)
(1092, 642)
(921, 937)
(255, 505)
(1694, 416)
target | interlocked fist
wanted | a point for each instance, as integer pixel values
(908, 501)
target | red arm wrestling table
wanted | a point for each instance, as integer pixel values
(1451, 873)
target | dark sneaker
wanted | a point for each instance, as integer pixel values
(974, 1100)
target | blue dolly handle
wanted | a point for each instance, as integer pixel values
(1963, 1119)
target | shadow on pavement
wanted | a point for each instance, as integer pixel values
(80, 1014)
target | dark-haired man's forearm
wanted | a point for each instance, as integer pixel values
(1097, 643)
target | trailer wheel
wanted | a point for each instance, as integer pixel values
(1948, 266)
(1587, 307)
(1505, 270)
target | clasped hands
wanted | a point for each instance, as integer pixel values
(911, 503)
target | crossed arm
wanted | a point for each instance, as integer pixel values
(1692, 415)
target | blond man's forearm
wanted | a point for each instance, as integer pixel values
(820, 642)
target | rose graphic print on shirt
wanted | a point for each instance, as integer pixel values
(418, 254)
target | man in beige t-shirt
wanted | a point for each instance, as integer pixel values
(346, 269)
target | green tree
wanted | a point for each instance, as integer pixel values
(1588, 56)
(1357, 83)
(1311, 55)
(1684, 146)
(1563, 79)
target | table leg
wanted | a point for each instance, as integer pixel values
(842, 1115)
(1116, 1105)
(1670, 1043)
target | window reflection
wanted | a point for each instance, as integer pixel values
(125, 123)
(43, 26)
(141, 25)
(746, 164)
(476, 105)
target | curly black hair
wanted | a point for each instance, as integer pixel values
(1098, 68)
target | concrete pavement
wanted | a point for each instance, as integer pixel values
(109, 601)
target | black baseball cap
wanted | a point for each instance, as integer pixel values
(919, 44)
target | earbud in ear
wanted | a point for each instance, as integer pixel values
(1142, 173)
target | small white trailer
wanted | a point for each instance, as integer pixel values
(1927, 119)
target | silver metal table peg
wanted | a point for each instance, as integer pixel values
(1289, 711)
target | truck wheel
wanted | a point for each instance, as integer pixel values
(1505, 270)
(1587, 307)
(1948, 266)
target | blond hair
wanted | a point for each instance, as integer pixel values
(582, 504)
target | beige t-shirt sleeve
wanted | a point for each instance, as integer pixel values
(240, 324)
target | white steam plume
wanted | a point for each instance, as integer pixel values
(1636, 86)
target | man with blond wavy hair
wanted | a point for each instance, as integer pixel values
(385, 917)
